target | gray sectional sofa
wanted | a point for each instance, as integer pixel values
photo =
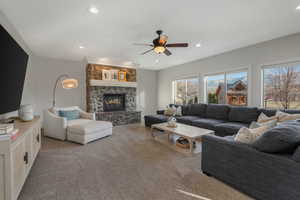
(258, 169)
(223, 119)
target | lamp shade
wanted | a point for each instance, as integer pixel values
(69, 83)
(159, 49)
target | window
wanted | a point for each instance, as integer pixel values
(281, 86)
(227, 88)
(186, 91)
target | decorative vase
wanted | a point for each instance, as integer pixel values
(172, 122)
(26, 112)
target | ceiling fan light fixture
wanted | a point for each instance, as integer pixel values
(159, 49)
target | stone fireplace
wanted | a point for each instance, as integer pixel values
(113, 102)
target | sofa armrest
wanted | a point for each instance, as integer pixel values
(54, 126)
(160, 112)
(86, 115)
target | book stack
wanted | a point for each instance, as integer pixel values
(8, 129)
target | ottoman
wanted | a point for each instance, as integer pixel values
(88, 131)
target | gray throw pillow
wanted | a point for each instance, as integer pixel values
(280, 139)
(296, 155)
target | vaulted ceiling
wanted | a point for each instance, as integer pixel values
(57, 28)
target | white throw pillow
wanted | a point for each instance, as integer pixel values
(283, 116)
(248, 136)
(270, 124)
(179, 111)
(264, 118)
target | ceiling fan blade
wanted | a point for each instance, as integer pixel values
(142, 44)
(147, 51)
(178, 45)
(167, 52)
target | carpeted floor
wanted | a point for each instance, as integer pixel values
(126, 166)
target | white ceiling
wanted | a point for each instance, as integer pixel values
(56, 28)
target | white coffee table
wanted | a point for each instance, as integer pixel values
(191, 133)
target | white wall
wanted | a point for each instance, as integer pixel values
(27, 91)
(253, 57)
(147, 91)
(43, 74)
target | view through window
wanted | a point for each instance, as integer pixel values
(227, 88)
(186, 91)
(281, 86)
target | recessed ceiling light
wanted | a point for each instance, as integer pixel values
(198, 45)
(94, 10)
(298, 7)
(81, 47)
(156, 61)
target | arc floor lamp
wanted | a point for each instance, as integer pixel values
(67, 83)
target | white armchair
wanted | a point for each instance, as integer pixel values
(56, 126)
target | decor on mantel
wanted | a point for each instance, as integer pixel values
(106, 75)
(114, 75)
(67, 83)
(122, 76)
(112, 100)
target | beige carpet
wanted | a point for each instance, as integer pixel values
(126, 166)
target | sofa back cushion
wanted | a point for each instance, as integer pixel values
(185, 109)
(296, 155)
(198, 110)
(217, 111)
(243, 114)
(280, 139)
(268, 112)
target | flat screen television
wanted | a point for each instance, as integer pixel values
(13, 64)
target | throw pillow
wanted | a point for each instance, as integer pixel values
(69, 114)
(179, 111)
(270, 124)
(170, 111)
(280, 139)
(296, 155)
(282, 116)
(248, 136)
(264, 118)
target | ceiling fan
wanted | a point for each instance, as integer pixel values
(160, 44)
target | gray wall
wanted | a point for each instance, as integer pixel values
(251, 58)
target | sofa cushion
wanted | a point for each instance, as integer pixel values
(296, 155)
(155, 119)
(197, 110)
(280, 139)
(243, 114)
(187, 119)
(90, 127)
(217, 111)
(268, 112)
(230, 128)
(185, 109)
(207, 123)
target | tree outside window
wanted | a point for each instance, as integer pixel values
(282, 87)
(186, 91)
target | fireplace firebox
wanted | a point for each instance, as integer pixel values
(113, 102)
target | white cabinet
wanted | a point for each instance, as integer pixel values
(17, 157)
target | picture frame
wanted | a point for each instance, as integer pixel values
(106, 76)
(114, 75)
(122, 76)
